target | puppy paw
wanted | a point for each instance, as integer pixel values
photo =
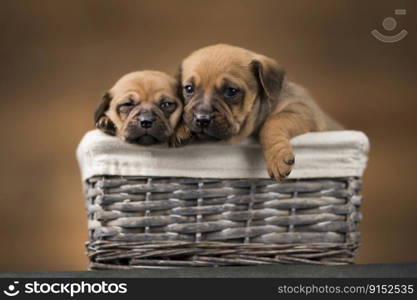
(106, 125)
(280, 160)
(181, 136)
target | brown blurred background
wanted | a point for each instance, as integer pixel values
(57, 57)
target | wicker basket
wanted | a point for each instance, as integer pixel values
(165, 221)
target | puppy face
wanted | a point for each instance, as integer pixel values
(224, 88)
(141, 108)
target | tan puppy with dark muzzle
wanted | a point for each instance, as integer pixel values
(141, 108)
(231, 93)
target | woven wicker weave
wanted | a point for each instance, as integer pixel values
(137, 222)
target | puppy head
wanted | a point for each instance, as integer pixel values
(224, 88)
(141, 108)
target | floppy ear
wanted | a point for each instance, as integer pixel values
(102, 121)
(178, 77)
(269, 76)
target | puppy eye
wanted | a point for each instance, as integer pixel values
(188, 90)
(231, 92)
(125, 107)
(165, 105)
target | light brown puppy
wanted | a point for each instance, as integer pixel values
(142, 108)
(231, 93)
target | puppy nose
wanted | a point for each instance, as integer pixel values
(146, 123)
(146, 119)
(203, 120)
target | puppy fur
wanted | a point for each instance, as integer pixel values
(241, 93)
(141, 108)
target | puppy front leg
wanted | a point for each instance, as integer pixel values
(292, 120)
(181, 136)
(106, 125)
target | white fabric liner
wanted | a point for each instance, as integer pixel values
(317, 155)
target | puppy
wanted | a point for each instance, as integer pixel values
(231, 93)
(141, 108)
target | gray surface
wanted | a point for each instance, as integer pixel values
(280, 271)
